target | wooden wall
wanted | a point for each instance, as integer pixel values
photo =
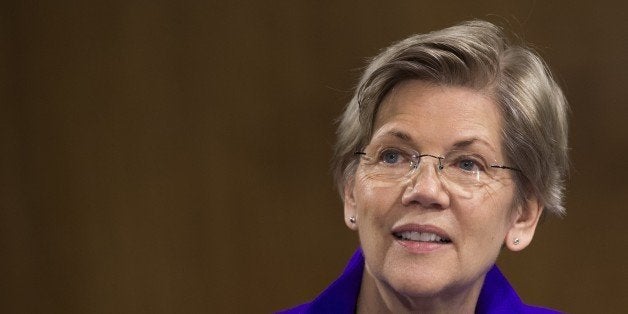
(172, 156)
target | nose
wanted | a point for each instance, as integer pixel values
(425, 187)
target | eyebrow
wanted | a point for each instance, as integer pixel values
(399, 134)
(470, 141)
(465, 143)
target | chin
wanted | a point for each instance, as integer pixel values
(417, 284)
(408, 277)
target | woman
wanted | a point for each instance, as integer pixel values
(453, 146)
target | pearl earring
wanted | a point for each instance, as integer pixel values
(352, 219)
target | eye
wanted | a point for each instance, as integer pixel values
(391, 156)
(467, 162)
(468, 165)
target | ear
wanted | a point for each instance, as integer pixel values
(349, 205)
(526, 218)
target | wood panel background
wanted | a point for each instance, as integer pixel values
(172, 156)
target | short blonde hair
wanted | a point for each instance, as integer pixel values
(473, 54)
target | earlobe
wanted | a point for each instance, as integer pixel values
(350, 212)
(524, 225)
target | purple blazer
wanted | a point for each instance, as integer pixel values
(497, 296)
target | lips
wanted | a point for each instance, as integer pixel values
(421, 233)
(421, 237)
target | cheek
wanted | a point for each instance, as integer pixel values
(489, 217)
(375, 201)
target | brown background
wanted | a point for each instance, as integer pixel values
(165, 157)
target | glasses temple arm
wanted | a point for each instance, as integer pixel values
(505, 167)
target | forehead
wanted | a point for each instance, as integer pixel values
(437, 117)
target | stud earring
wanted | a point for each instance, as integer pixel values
(352, 219)
(516, 242)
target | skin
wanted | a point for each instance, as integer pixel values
(448, 279)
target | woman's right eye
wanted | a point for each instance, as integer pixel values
(391, 156)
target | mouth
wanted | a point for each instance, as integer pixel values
(420, 235)
(417, 236)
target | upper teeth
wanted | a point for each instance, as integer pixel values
(421, 236)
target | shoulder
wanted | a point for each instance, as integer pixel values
(498, 296)
(341, 295)
(531, 309)
(301, 309)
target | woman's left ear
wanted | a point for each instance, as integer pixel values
(525, 221)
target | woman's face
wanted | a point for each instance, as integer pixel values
(396, 220)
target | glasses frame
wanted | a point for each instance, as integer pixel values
(415, 164)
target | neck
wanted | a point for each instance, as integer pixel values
(379, 297)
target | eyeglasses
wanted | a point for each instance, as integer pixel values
(464, 171)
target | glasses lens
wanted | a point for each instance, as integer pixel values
(462, 172)
(389, 163)
(465, 168)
